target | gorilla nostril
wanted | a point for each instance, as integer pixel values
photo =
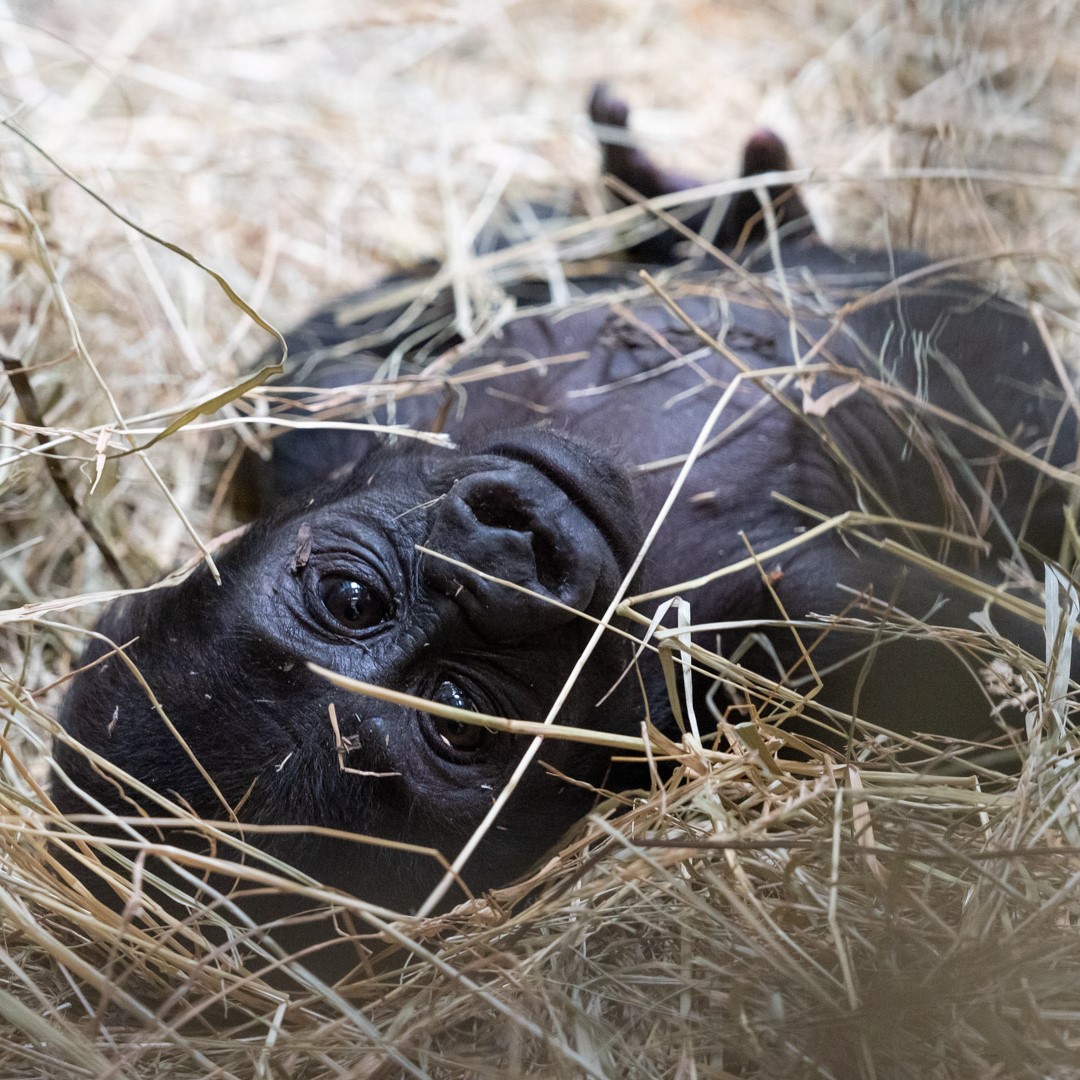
(502, 506)
(550, 569)
(499, 507)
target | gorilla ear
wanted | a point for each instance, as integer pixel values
(744, 221)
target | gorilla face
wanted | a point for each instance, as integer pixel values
(336, 578)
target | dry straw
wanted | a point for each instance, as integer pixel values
(909, 910)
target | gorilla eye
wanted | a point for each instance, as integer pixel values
(453, 734)
(352, 604)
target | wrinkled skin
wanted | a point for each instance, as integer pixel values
(551, 486)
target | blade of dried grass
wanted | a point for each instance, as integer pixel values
(484, 720)
(27, 399)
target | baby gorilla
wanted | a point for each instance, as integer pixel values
(336, 578)
(911, 389)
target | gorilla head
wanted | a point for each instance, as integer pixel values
(336, 578)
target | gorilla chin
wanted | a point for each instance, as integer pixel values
(336, 578)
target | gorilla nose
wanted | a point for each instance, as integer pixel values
(515, 524)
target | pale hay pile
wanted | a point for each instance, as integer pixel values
(869, 922)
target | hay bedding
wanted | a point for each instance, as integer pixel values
(753, 917)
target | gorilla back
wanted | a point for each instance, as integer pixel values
(852, 383)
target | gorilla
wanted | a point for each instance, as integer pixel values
(912, 410)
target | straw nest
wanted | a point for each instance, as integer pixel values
(888, 916)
